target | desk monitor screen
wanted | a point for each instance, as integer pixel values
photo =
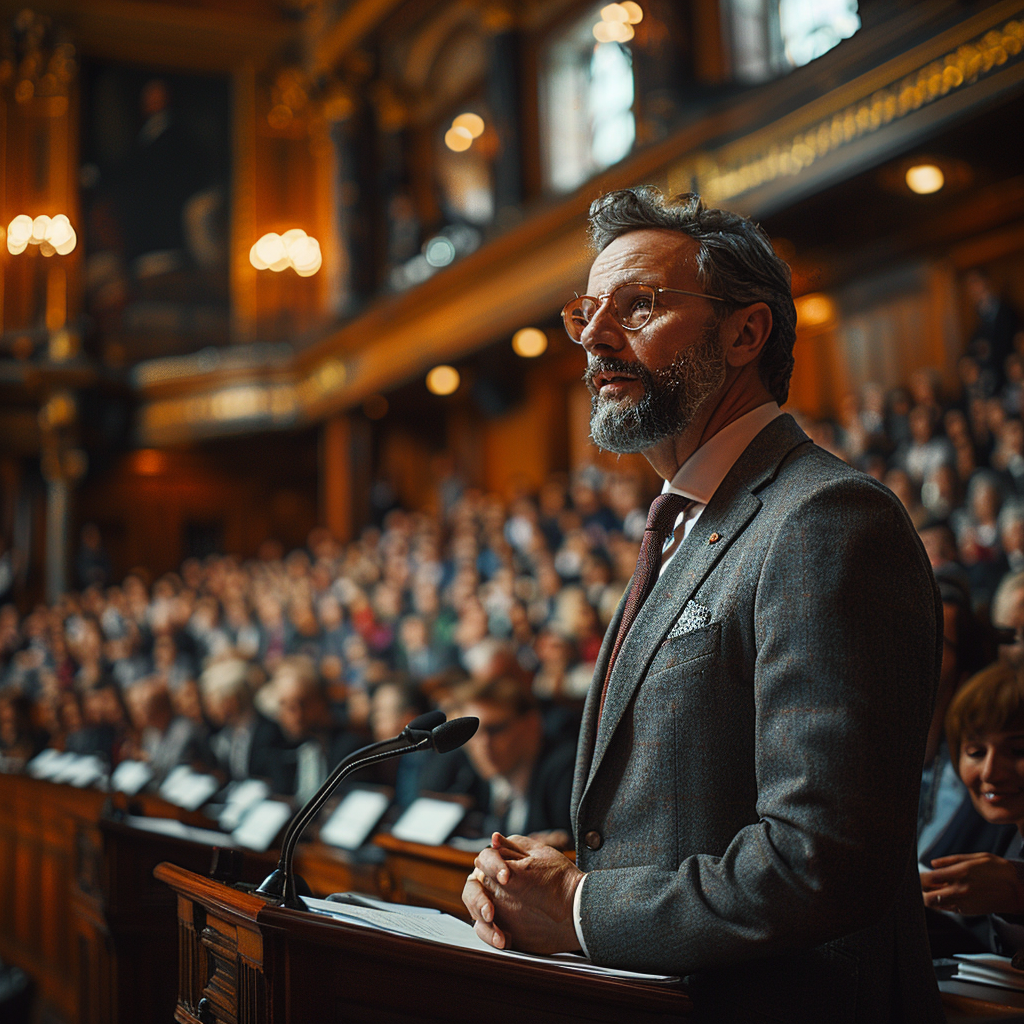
(428, 821)
(355, 818)
(130, 777)
(46, 764)
(187, 788)
(242, 797)
(261, 825)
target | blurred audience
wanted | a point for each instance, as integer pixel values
(276, 666)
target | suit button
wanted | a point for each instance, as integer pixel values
(593, 840)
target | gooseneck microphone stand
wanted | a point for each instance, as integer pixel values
(429, 731)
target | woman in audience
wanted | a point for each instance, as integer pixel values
(985, 732)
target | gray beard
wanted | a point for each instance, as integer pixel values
(672, 397)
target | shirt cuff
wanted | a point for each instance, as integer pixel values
(577, 924)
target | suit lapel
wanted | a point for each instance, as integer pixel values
(729, 512)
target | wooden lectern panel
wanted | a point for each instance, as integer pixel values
(247, 962)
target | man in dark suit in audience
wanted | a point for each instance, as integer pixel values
(523, 780)
(746, 781)
(316, 741)
(247, 743)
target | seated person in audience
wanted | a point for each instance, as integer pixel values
(105, 723)
(316, 741)
(527, 779)
(985, 732)
(162, 738)
(246, 743)
(395, 703)
(947, 821)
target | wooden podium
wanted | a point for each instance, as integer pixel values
(243, 961)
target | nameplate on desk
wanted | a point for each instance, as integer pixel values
(261, 824)
(188, 789)
(355, 818)
(428, 821)
(130, 777)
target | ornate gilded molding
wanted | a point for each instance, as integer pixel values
(779, 151)
(519, 277)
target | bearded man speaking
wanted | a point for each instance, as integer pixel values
(748, 767)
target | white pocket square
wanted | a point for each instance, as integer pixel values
(694, 616)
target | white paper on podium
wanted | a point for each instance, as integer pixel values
(450, 931)
(988, 969)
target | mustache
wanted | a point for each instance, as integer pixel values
(608, 364)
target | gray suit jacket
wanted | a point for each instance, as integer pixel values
(752, 785)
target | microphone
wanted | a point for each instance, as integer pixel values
(422, 725)
(422, 733)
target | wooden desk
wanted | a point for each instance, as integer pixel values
(247, 962)
(428, 876)
(82, 914)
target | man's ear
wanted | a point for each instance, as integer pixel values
(746, 332)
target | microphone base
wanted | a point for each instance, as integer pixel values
(284, 889)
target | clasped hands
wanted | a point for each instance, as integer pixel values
(520, 895)
(973, 883)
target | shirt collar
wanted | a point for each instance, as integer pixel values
(700, 475)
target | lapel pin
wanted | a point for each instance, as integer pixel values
(714, 538)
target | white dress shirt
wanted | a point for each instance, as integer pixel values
(698, 478)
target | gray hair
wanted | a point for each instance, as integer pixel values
(735, 260)
(1005, 599)
(1011, 512)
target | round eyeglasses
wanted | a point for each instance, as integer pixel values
(632, 305)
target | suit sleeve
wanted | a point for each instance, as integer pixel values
(845, 631)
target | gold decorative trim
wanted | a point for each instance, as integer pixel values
(303, 388)
(766, 157)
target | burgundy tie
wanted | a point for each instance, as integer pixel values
(661, 520)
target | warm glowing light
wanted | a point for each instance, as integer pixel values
(529, 342)
(443, 380)
(254, 258)
(458, 139)
(925, 179)
(53, 235)
(613, 32)
(270, 248)
(19, 231)
(39, 228)
(614, 12)
(304, 252)
(291, 236)
(634, 12)
(473, 123)
(814, 310)
(293, 249)
(59, 234)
